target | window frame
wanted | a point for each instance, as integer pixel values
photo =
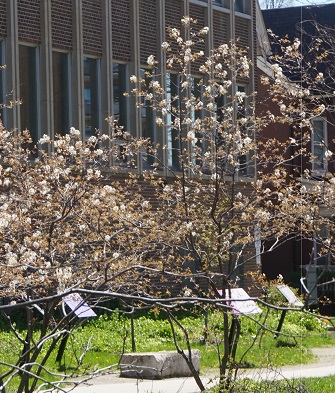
(323, 166)
(34, 115)
(245, 6)
(122, 116)
(68, 87)
(317, 257)
(97, 92)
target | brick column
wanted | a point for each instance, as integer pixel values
(47, 113)
(78, 106)
(12, 62)
(135, 69)
(106, 65)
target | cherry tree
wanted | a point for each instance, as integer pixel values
(74, 221)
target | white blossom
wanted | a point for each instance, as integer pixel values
(186, 21)
(45, 139)
(204, 30)
(73, 131)
(165, 45)
(175, 33)
(155, 85)
(277, 70)
(159, 121)
(328, 153)
(145, 204)
(151, 60)
(319, 77)
(296, 44)
(191, 137)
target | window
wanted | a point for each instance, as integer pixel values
(240, 113)
(29, 90)
(92, 96)
(241, 6)
(319, 145)
(119, 88)
(173, 94)
(321, 254)
(223, 3)
(61, 92)
(173, 134)
(147, 121)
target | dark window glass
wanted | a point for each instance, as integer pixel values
(173, 134)
(61, 92)
(29, 90)
(119, 88)
(91, 96)
(147, 118)
(239, 6)
(319, 145)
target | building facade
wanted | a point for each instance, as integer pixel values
(68, 62)
(307, 257)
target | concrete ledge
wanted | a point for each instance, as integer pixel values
(157, 365)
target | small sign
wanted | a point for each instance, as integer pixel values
(289, 295)
(241, 302)
(76, 303)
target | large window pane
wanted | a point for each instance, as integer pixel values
(29, 110)
(240, 5)
(92, 95)
(173, 134)
(61, 92)
(119, 88)
(147, 120)
(319, 145)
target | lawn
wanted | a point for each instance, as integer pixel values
(104, 338)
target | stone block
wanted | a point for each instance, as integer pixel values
(157, 365)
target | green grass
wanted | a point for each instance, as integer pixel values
(107, 336)
(320, 385)
(306, 385)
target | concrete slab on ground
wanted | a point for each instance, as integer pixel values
(171, 385)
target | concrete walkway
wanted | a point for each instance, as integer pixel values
(171, 385)
(325, 366)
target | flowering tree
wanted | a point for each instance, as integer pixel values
(303, 90)
(71, 223)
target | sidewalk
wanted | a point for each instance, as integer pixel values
(188, 385)
(171, 385)
(325, 366)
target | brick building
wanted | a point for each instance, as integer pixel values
(69, 61)
(306, 257)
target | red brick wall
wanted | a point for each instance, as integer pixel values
(61, 24)
(29, 16)
(92, 26)
(148, 29)
(2, 18)
(121, 30)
